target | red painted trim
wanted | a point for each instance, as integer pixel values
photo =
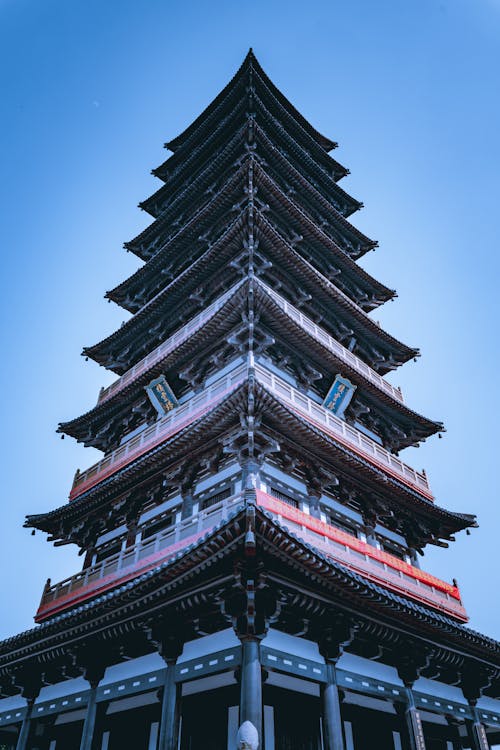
(337, 535)
(112, 469)
(113, 579)
(426, 493)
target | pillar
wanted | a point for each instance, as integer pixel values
(170, 710)
(370, 521)
(250, 474)
(251, 684)
(93, 675)
(24, 732)
(414, 557)
(413, 730)
(476, 731)
(333, 735)
(187, 502)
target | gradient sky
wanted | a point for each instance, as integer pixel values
(90, 91)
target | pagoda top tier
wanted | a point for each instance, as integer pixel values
(250, 65)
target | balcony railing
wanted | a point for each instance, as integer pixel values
(166, 347)
(164, 428)
(334, 346)
(198, 405)
(132, 561)
(372, 563)
(340, 430)
(375, 564)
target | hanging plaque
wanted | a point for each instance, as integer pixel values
(161, 395)
(339, 396)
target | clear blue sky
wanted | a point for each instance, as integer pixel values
(90, 90)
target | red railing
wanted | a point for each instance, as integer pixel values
(371, 562)
(131, 562)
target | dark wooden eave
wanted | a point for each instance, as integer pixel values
(212, 112)
(215, 329)
(174, 251)
(284, 425)
(312, 203)
(259, 131)
(191, 581)
(125, 339)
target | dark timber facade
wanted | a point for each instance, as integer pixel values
(251, 537)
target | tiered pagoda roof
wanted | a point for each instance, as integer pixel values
(250, 302)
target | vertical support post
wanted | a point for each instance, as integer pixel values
(314, 497)
(93, 675)
(414, 557)
(473, 684)
(476, 730)
(90, 717)
(332, 719)
(251, 684)
(187, 502)
(250, 474)
(369, 521)
(170, 709)
(24, 732)
(413, 722)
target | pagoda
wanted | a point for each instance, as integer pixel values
(251, 538)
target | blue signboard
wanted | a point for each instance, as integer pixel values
(161, 395)
(339, 396)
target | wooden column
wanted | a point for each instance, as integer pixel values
(331, 646)
(251, 684)
(24, 732)
(369, 521)
(473, 683)
(31, 690)
(476, 731)
(413, 722)
(409, 670)
(333, 734)
(93, 675)
(187, 502)
(170, 709)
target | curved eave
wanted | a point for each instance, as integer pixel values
(225, 415)
(165, 221)
(342, 226)
(176, 291)
(323, 575)
(194, 436)
(175, 246)
(204, 159)
(371, 329)
(315, 441)
(297, 267)
(221, 322)
(217, 326)
(400, 412)
(250, 62)
(196, 170)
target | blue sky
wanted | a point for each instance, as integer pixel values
(90, 92)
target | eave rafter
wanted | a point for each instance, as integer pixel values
(380, 349)
(194, 583)
(278, 424)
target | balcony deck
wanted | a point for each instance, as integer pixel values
(166, 347)
(334, 346)
(377, 565)
(374, 564)
(343, 432)
(200, 404)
